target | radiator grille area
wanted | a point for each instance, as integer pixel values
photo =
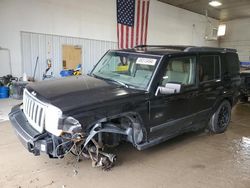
(34, 111)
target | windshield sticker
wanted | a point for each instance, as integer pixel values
(146, 61)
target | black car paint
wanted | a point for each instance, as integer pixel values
(89, 100)
(190, 109)
(86, 98)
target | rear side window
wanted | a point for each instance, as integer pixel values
(233, 63)
(209, 68)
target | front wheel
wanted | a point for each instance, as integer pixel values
(221, 118)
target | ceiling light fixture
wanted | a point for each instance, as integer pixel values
(215, 3)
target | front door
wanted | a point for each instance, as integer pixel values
(169, 113)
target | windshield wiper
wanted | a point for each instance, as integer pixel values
(111, 80)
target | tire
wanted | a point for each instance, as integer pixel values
(221, 118)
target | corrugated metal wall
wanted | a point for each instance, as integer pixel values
(50, 47)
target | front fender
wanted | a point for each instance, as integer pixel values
(106, 128)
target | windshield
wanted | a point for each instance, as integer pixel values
(131, 70)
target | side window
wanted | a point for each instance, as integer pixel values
(209, 68)
(217, 67)
(233, 63)
(180, 70)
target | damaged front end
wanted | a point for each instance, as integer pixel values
(92, 143)
(90, 146)
(69, 137)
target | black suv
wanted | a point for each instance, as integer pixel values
(145, 95)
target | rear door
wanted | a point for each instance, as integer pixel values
(210, 84)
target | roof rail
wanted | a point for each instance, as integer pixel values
(171, 47)
(188, 48)
(209, 49)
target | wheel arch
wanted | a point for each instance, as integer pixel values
(136, 131)
(220, 100)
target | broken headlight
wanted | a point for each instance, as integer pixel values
(70, 127)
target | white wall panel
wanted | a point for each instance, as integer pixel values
(243, 48)
(237, 36)
(50, 47)
(4, 63)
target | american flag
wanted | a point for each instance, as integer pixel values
(132, 22)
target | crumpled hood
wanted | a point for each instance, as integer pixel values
(79, 92)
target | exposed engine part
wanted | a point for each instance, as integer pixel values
(72, 142)
(99, 158)
(102, 134)
(93, 150)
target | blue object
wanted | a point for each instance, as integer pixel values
(4, 92)
(65, 73)
(245, 64)
(79, 67)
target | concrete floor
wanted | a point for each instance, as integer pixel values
(195, 160)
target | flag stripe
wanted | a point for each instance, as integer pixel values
(137, 21)
(119, 35)
(142, 22)
(127, 36)
(132, 37)
(117, 27)
(146, 26)
(122, 38)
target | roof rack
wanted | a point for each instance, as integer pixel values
(188, 48)
(170, 47)
(209, 49)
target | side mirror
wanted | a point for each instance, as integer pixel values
(170, 88)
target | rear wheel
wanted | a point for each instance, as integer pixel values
(221, 118)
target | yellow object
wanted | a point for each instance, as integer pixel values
(122, 68)
(77, 73)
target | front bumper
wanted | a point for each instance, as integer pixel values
(34, 141)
